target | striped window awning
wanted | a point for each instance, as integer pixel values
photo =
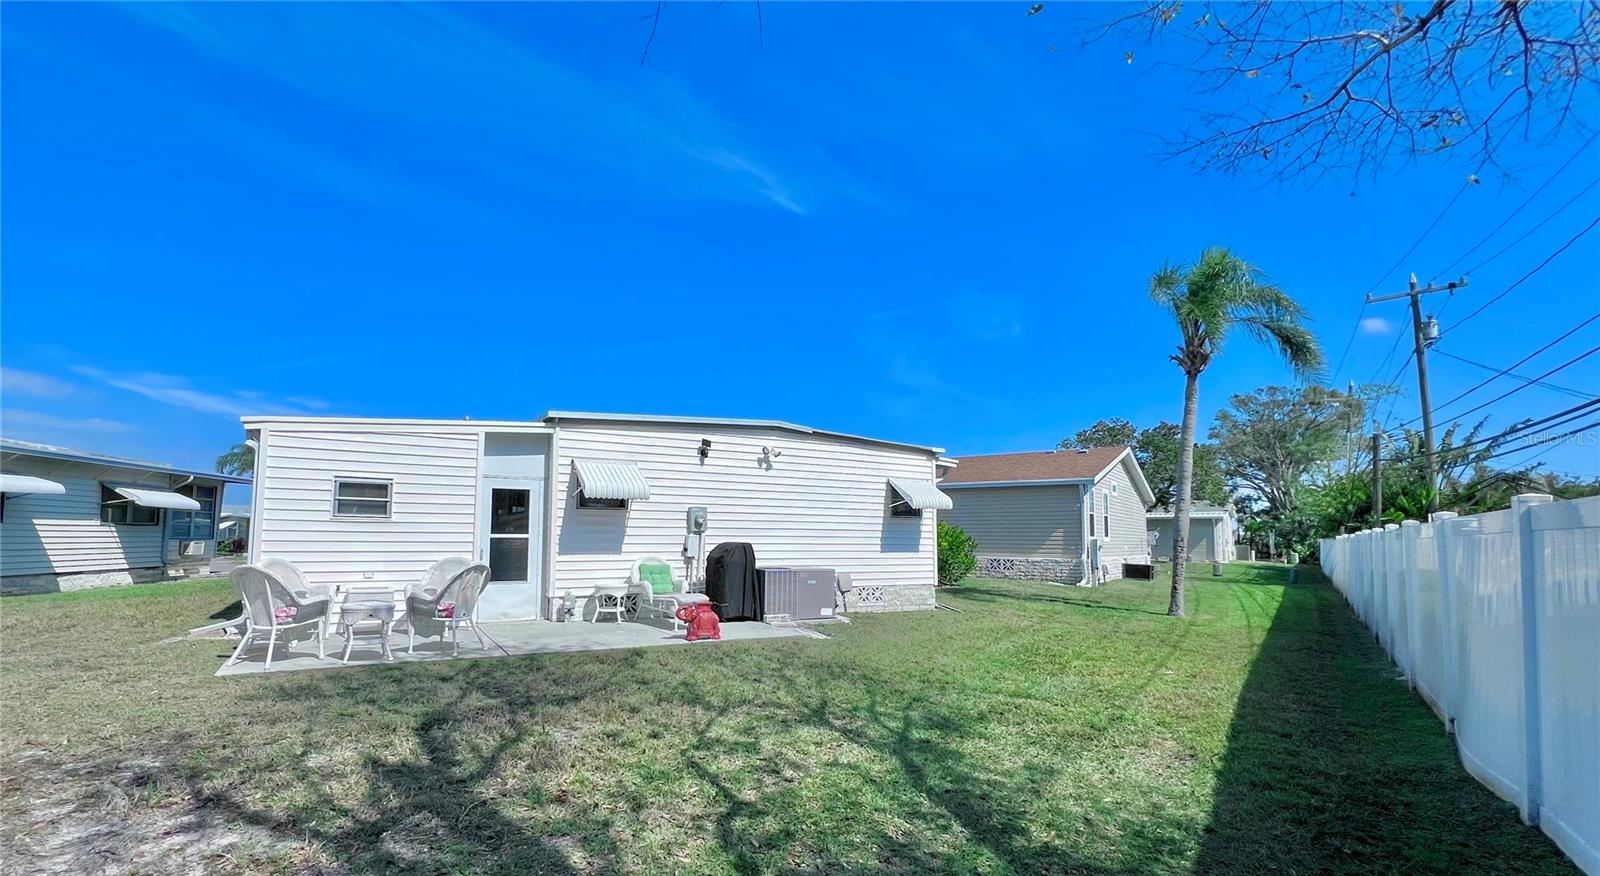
(921, 495)
(148, 498)
(606, 479)
(17, 485)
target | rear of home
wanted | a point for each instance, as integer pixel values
(568, 503)
(1072, 516)
(75, 519)
(1213, 532)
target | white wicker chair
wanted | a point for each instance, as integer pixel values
(263, 593)
(453, 579)
(294, 579)
(663, 604)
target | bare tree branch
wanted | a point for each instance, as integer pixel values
(1319, 87)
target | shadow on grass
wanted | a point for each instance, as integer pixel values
(1334, 766)
(982, 593)
(995, 813)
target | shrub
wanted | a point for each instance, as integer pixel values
(957, 554)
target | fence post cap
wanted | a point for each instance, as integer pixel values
(1389, 526)
(1409, 523)
(1442, 515)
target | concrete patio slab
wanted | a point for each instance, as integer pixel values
(513, 638)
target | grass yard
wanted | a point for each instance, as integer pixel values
(1044, 730)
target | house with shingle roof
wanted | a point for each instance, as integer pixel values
(1071, 516)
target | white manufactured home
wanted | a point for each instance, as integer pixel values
(568, 503)
(75, 519)
(1070, 516)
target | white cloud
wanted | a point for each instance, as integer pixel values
(71, 424)
(315, 404)
(1376, 325)
(14, 380)
(172, 390)
(434, 66)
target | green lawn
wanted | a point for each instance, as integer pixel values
(1044, 729)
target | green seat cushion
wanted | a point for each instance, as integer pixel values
(658, 576)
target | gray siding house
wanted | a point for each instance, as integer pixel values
(1073, 516)
(71, 519)
(1213, 532)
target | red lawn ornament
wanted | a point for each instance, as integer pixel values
(702, 620)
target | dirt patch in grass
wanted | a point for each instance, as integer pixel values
(115, 816)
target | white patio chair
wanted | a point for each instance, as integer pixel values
(294, 579)
(659, 590)
(263, 594)
(455, 580)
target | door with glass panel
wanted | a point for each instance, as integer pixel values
(510, 540)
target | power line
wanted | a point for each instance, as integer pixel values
(1514, 390)
(1504, 371)
(1552, 421)
(1508, 290)
(1354, 330)
(1529, 233)
(1557, 419)
(1558, 388)
(1520, 207)
(1551, 440)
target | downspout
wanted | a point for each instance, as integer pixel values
(1084, 492)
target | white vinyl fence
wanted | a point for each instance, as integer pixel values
(1495, 620)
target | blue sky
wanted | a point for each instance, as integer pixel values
(919, 223)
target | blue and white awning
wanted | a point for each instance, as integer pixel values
(921, 495)
(16, 485)
(605, 479)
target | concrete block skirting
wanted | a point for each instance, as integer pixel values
(893, 597)
(66, 582)
(1030, 569)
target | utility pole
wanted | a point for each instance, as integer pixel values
(1377, 478)
(1423, 337)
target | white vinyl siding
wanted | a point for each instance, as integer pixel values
(822, 503)
(63, 533)
(1042, 522)
(433, 502)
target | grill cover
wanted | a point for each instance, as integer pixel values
(731, 581)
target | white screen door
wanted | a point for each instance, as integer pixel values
(511, 531)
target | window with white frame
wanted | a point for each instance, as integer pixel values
(1105, 514)
(117, 508)
(196, 524)
(362, 497)
(1090, 497)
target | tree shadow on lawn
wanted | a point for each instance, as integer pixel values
(1332, 765)
(932, 787)
(981, 593)
(435, 810)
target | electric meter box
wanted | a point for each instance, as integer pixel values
(697, 519)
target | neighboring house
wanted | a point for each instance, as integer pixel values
(1073, 516)
(1213, 532)
(234, 524)
(71, 519)
(566, 504)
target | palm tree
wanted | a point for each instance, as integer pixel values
(239, 460)
(1209, 300)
